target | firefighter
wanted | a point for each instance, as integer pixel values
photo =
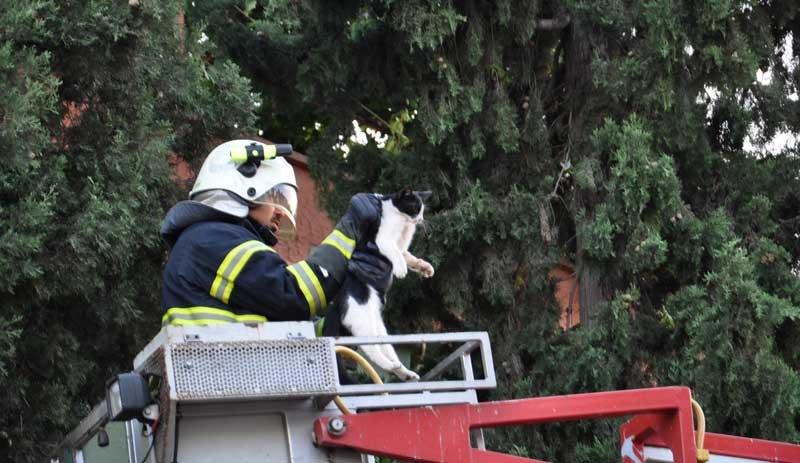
(222, 267)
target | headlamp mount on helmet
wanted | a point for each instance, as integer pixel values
(252, 173)
(249, 157)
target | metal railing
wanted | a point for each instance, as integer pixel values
(431, 389)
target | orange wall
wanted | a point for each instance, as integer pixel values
(313, 225)
(566, 294)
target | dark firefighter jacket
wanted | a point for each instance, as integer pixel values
(220, 271)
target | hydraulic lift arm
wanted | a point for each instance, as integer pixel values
(441, 433)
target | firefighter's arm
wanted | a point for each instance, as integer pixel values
(332, 255)
(267, 285)
(303, 290)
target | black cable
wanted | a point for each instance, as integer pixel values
(152, 444)
(153, 429)
(175, 444)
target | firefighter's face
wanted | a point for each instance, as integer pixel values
(268, 216)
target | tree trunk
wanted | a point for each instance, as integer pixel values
(578, 79)
(590, 284)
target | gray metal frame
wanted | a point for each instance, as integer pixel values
(463, 354)
(300, 409)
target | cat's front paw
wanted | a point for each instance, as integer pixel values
(405, 374)
(399, 269)
(425, 268)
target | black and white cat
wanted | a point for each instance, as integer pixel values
(360, 301)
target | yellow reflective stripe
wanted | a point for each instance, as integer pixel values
(351, 242)
(197, 321)
(237, 269)
(309, 285)
(205, 316)
(303, 288)
(224, 265)
(317, 285)
(231, 266)
(340, 241)
(199, 309)
(251, 318)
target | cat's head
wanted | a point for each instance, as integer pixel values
(410, 202)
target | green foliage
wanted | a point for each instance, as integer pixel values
(96, 95)
(725, 346)
(397, 141)
(627, 138)
(615, 135)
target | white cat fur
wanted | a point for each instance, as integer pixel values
(393, 239)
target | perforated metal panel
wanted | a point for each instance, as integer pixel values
(245, 369)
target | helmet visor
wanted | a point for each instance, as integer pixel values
(282, 197)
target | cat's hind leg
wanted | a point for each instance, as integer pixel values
(398, 369)
(364, 319)
(360, 320)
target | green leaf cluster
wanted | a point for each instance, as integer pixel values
(98, 100)
(626, 138)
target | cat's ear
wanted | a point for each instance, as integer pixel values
(424, 195)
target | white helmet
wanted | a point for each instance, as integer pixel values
(270, 181)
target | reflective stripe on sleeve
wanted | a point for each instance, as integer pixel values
(341, 242)
(309, 285)
(206, 316)
(231, 266)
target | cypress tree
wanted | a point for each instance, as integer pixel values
(95, 96)
(628, 138)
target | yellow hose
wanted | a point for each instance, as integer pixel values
(702, 454)
(348, 352)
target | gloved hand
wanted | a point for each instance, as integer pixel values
(364, 212)
(371, 267)
(336, 250)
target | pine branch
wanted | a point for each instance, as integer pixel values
(373, 114)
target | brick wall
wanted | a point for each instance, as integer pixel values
(313, 225)
(566, 294)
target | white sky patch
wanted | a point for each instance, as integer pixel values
(788, 60)
(363, 136)
(203, 38)
(753, 144)
(689, 50)
(256, 98)
(764, 77)
(782, 139)
(360, 136)
(710, 94)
